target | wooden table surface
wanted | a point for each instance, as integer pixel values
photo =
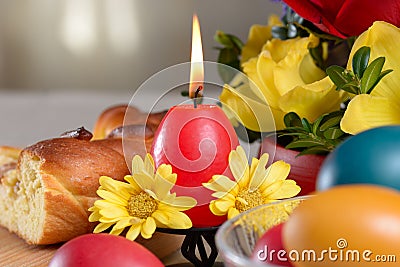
(14, 252)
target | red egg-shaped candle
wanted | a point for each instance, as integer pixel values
(196, 142)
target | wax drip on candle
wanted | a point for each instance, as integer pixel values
(196, 95)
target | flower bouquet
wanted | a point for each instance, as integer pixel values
(324, 70)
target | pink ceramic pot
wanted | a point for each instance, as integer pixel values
(304, 169)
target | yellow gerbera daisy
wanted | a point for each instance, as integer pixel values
(143, 204)
(253, 186)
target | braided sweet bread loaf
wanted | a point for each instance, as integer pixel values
(47, 188)
(45, 198)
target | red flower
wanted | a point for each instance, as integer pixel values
(345, 18)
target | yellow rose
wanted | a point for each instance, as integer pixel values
(258, 36)
(382, 106)
(285, 79)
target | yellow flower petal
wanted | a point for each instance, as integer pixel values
(116, 231)
(220, 183)
(111, 197)
(94, 216)
(238, 165)
(253, 166)
(286, 190)
(102, 204)
(367, 111)
(183, 203)
(309, 72)
(178, 220)
(215, 210)
(137, 164)
(259, 173)
(160, 217)
(143, 180)
(109, 184)
(151, 193)
(114, 212)
(233, 212)
(223, 205)
(163, 186)
(278, 171)
(135, 187)
(251, 111)
(102, 227)
(264, 72)
(224, 196)
(148, 227)
(165, 171)
(149, 164)
(312, 100)
(258, 35)
(271, 188)
(288, 67)
(123, 222)
(133, 232)
(183, 223)
(108, 220)
(259, 73)
(117, 187)
(93, 208)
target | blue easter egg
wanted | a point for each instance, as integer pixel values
(370, 157)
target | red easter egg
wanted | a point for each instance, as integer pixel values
(269, 248)
(93, 250)
(196, 142)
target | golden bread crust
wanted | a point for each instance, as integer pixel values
(78, 164)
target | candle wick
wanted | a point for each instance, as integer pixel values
(196, 94)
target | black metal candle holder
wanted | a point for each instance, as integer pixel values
(194, 240)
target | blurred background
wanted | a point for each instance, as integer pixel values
(62, 62)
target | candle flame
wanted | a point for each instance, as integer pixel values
(196, 67)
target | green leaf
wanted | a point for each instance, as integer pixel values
(371, 74)
(334, 114)
(292, 119)
(228, 40)
(314, 150)
(236, 41)
(304, 143)
(333, 133)
(306, 125)
(383, 74)
(330, 123)
(228, 57)
(352, 87)
(292, 134)
(360, 60)
(223, 39)
(316, 124)
(335, 73)
(296, 129)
